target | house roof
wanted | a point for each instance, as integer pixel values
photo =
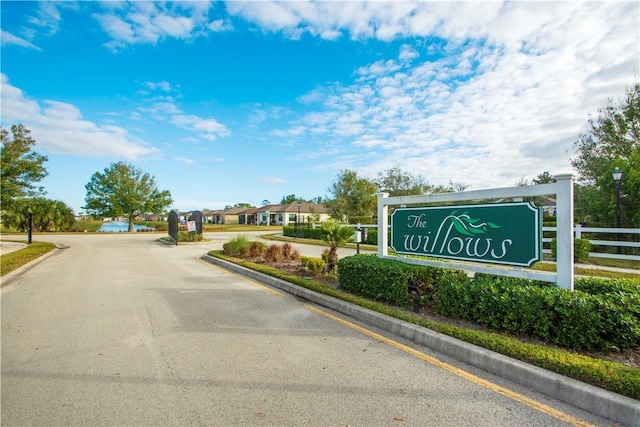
(235, 211)
(305, 207)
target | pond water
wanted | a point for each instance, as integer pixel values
(121, 227)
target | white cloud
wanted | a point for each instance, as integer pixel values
(506, 103)
(164, 108)
(59, 128)
(47, 17)
(219, 25)
(163, 86)
(209, 129)
(408, 53)
(130, 23)
(185, 161)
(8, 39)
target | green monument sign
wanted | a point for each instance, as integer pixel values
(509, 233)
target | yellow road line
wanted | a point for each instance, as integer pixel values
(244, 279)
(473, 378)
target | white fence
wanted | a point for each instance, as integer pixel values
(578, 230)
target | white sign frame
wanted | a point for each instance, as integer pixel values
(563, 191)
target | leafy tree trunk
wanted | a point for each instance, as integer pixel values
(131, 224)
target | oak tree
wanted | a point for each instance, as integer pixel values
(22, 168)
(612, 140)
(124, 191)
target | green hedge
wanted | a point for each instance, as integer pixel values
(303, 232)
(600, 315)
(386, 280)
(315, 233)
(361, 220)
(602, 321)
(376, 278)
(581, 248)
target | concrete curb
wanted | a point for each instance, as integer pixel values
(13, 276)
(604, 403)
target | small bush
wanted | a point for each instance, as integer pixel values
(380, 279)
(236, 246)
(187, 236)
(256, 249)
(273, 254)
(581, 248)
(315, 265)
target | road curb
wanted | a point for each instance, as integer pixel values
(13, 276)
(604, 403)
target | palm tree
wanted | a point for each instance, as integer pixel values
(335, 235)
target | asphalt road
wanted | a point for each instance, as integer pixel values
(123, 330)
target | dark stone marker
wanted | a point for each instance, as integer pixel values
(173, 226)
(197, 217)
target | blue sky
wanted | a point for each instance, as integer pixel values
(227, 102)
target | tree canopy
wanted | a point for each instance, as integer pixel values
(123, 190)
(291, 198)
(397, 182)
(22, 168)
(46, 215)
(612, 140)
(352, 196)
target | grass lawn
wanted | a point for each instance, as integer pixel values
(13, 260)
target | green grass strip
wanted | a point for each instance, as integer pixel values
(611, 376)
(14, 260)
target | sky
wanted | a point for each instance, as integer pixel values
(242, 102)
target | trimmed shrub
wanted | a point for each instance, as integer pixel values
(315, 265)
(581, 248)
(303, 232)
(388, 280)
(376, 278)
(316, 233)
(361, 220)
(372, 237)
(578, 320)
(596, 286)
